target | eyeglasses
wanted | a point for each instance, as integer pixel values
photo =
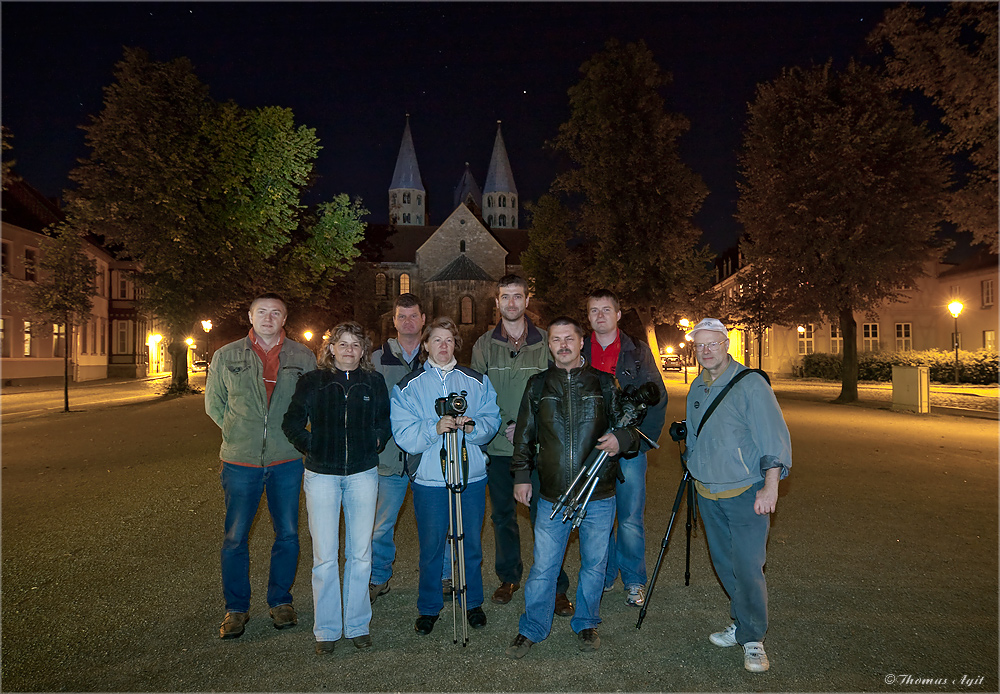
(708, 346)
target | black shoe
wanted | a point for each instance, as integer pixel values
(425, 624)
(476, 617)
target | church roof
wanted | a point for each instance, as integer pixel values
(407, 172)
(461, 268)
(468, 185)
(499, 178)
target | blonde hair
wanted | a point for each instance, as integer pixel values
(325, 360)
(445, 323)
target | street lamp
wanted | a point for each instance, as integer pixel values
(684, 323)
(206, 325)
(308, 335)
(955, 307)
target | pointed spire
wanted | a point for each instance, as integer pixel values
(467, 186)
(407, 172)
(499, 178)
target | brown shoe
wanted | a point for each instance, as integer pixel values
(325, 647)
(503, 594)
(564, 608)
(589, 640)
(363, 641)
(233, 624)
(284, 616)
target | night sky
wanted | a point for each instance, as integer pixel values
(353, 71)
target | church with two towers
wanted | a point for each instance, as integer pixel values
(454, 266)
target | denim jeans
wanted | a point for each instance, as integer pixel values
(551, 538)
(391, 493)
(430, 504)
(326, 495)
(627, 545)
(737, 543)
(506, 532)
(242, 486)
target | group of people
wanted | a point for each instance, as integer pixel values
(355, 428)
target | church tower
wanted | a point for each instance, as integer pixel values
(407, 197)
(499, 194)
(467, 191)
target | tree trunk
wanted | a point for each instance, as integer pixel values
(760, 349)
(849, 372)
(647, 321)
(67, 341)
(178, 349)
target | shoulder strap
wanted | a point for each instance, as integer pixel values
(715, 403)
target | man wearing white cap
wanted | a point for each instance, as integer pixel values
(736, 461)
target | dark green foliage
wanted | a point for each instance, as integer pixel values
(979, 367)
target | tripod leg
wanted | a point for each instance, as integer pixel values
(463, 587)
(663, 547)
(690, 521)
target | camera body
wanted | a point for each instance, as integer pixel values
(631, 403)
(452, 405)
(679, 430)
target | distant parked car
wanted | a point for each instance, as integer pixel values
(672, 362)
(199, 365)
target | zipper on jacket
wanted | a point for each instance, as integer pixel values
(569, 402)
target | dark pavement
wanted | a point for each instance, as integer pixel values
(882, 572)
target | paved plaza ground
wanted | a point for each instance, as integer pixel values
(882, 569)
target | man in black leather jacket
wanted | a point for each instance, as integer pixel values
(566, 412)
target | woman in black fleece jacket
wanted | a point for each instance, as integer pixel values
(346, 407)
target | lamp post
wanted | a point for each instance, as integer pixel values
(684, 323)
(955, 307)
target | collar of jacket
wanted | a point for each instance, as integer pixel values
(534, 336)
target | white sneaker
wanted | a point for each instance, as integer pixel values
(754, 657)
(725, 638)
(635, 596)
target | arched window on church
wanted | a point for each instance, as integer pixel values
(503, 201)
(489, 201)
(406, 198)
(420, 219)
(513, 202)
(489, 220)
(404, 284)
(513, 222)
(380, 284)
(420, 199)
(461, 246)
(394, 199)
(406, 218)
(467, 317)
(502, 221)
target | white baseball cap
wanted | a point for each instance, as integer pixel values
(713, 324)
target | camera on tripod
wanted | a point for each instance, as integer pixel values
(452, 405)
(679, 430)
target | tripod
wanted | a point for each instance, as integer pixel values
(455, 468)
(692, 512)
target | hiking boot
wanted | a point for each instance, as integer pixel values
(635, 596)
(564, 608)
(325, 647)
(377, 589)
(519, 647)
(754, 657)
(284, 616)
(363, 641)
(724, 638)
(589, 640)
(503, 594)
(233, 624)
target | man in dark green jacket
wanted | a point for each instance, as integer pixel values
(247, 391)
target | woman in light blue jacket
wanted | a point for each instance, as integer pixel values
(419, 431)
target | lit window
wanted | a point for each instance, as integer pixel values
(27, 339)
(836, 340)
(59, 340)
(404, 284)
(990, 340)
(904, 340)
(806, 343)
(380, 284)
(869, 337)
(466, 310)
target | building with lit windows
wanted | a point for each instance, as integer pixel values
(920, 322)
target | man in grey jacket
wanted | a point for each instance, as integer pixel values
(736, 461)
(247, 391)
(510, 354)
(396, 358)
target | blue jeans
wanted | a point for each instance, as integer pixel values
(242, 486)
(737, 543)
(551, 538)
(430, 504)
(507, 534)
(326, 495)
(391, 493)
(627, 551)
